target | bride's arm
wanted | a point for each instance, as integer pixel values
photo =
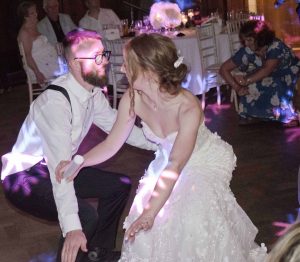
(116, 138)
(183, 147)
(189, 121)
(113, 142)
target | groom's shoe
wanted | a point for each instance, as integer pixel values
(103, 255)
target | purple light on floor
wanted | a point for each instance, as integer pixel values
(45, 257)
(293, 134)
(125, 180)
(24, 183)
(284, 226)
(207, 120)
(216, 109)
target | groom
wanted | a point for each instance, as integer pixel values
(57, 123)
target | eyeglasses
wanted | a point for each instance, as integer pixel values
(98, 57)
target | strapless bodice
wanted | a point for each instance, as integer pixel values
(208, 147)
(150, 135)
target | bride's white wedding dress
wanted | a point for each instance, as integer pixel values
(201, 221)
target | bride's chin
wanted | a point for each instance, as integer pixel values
(137, 89)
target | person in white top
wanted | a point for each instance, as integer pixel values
(97, 18)
(42, 57)
(53, 130)
(55, 25)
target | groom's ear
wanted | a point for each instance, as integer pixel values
(74, 65)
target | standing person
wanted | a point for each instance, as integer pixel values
(53, 130)
(97, 18)
(55, 25)
(271, 72)
(41, 56)
(184, 209)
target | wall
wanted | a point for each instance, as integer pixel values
(284, 19)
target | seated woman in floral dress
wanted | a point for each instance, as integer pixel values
(270, 72)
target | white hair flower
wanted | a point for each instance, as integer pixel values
(178, 62)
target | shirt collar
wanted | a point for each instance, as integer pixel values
(76, 89)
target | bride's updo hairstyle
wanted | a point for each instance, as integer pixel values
(158, 54)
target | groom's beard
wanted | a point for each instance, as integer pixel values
(94, 79)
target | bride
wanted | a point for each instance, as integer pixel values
(184, 209)
(41, 56)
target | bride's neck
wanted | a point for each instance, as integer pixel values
(157, 99)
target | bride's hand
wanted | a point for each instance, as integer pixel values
(59, 170)
(144, 222)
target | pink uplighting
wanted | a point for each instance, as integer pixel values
(293, 134)
(216, 109)
(284, 226)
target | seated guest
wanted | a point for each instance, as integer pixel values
(41, 56)
(271, 72)
(55, 25)
(97, 18)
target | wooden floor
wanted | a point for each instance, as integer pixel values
(264, 182)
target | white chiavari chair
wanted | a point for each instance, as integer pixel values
(34, 88)
(233, 28)
(118, 78)
(209, 60)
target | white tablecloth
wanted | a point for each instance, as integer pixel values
(188, 47)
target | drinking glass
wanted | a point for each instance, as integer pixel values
(146, 21)
(138, 25)
(124, 23)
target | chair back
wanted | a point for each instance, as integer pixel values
(209, 59)
(207, 46)
(34, 88)
(233, 29)
(117, 77)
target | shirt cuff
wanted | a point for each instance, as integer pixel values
(69, 223)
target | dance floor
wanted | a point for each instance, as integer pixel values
(264, 182)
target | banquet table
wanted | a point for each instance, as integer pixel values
(189, 49)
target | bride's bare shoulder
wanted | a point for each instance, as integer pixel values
(189, 99)
(190, 104)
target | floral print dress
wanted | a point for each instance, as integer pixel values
(270, 98)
